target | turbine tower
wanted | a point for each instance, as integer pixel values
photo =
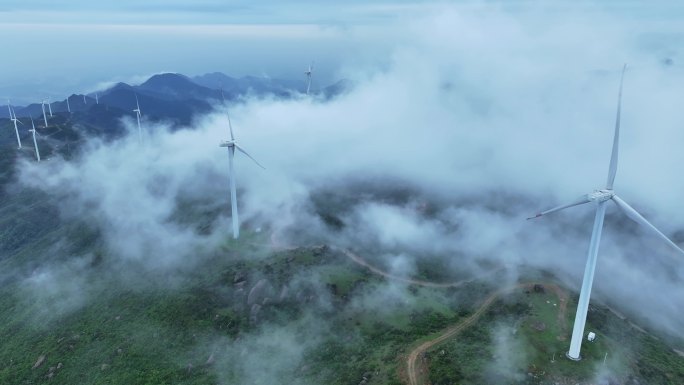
(42, 106)
(600, 198)
(68, 106)
(138, 114)
(97, 99)
(13, 118)
(232, 146)
(308, 73)
(35, 144)
(84, 99)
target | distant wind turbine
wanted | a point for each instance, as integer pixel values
(138, 114)
(68, 106)
(84, 99)
(97, 99)
(308, 73)
(601, 197)
(13, 118)
(232, 146)
(42, 106)
(35, 143)
(49, 106)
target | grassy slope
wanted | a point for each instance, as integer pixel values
(472, 357)
(152, 336)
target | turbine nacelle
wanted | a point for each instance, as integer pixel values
(228, 143)
(600, 195)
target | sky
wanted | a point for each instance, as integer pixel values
(59, 48)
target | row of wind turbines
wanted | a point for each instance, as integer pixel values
(15, 120)
(97, 101)
(138, 116)
(46, 102)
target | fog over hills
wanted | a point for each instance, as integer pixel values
(425, 168)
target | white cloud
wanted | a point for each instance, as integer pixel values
(492, 115)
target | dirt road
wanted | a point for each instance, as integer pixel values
(417, 374)
(354, 257)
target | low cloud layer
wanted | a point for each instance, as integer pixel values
(484, 117)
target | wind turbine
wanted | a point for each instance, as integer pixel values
(232, 146)
(49, 106)
(35, 144)
(138, 114)
(13, 118)
(84, 99)
(97, 99)
(42, 106)
(308, 73)
(68, 106)
(600, 197)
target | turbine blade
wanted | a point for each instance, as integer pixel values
(636, 217)
(136, 103)
(250, 157)
(612, 169)
(579, 201)
(230, 126)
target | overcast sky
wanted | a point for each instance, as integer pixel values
(58, 48)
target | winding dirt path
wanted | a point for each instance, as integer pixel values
(416, 373)
(354, 257)
(413, 369)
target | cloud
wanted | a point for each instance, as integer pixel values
(483, 116)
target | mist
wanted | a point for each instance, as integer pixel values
(483, 116)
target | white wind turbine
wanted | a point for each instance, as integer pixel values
(42, 106)
(308, 73)
(49, 106)
(84, 99)
(68, 106)
(97, 99)
(232, 146)
(35, 143)
(138, 114)
(600, 197)
(13, 118)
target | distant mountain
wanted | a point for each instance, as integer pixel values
(336, 89)
(169, 97)
(154, 104)
(250, 85)
(171, 86)
(176, 97)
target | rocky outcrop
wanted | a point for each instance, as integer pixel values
(254, 313)
(259, 292)
(39, 361)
